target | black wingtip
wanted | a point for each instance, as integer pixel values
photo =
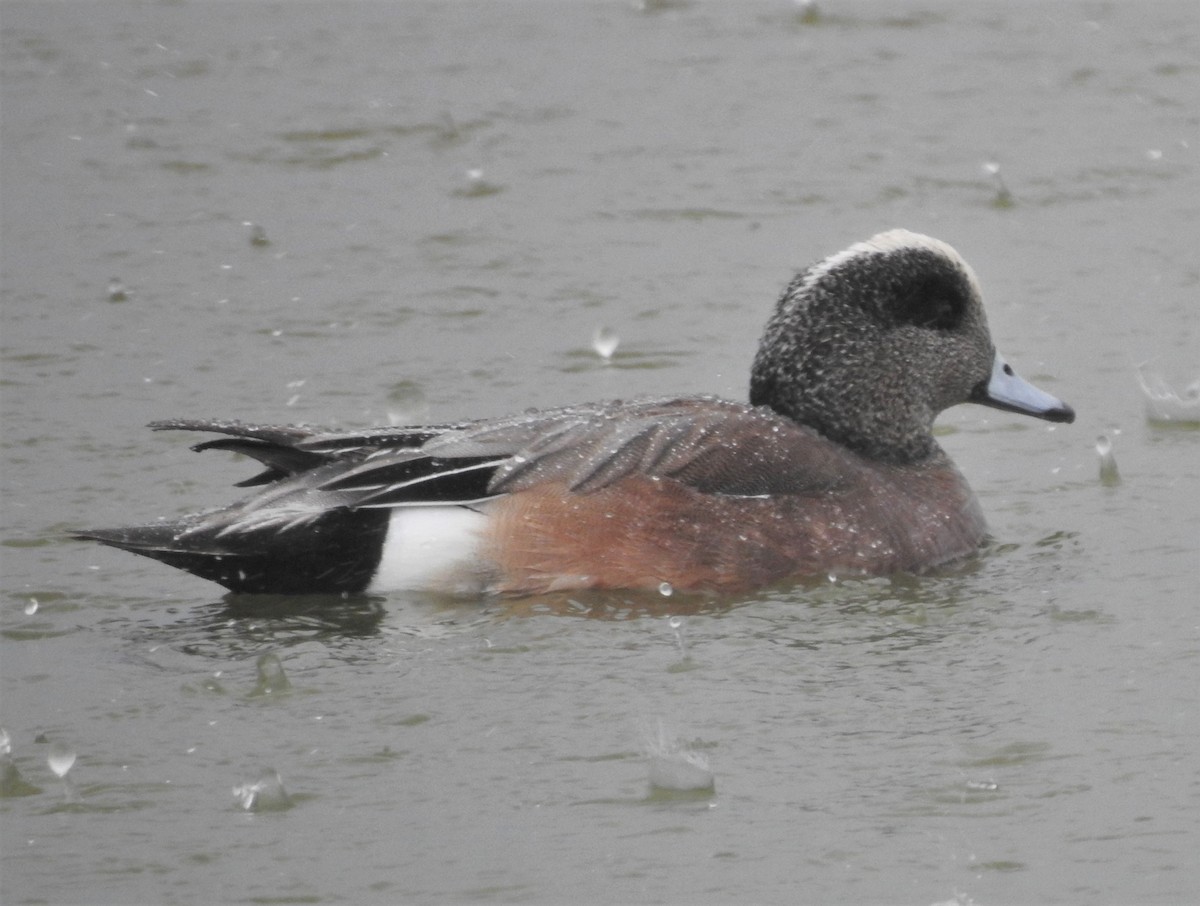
(138, 539)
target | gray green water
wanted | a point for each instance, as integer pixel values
(1023, 728)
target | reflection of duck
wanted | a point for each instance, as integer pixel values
(832, 468)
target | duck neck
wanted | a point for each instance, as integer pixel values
(897, 446)
(899, 438)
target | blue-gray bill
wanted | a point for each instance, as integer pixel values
(1007, 390)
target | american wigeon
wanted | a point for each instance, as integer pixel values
(831, 468)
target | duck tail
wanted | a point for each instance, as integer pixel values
(339, 554)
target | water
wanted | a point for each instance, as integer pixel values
(273, 216)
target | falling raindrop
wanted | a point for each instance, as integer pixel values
(5, 743)
(116, 290)
(31, 607)
(1109, 476)
(605, 341)
(666, 589)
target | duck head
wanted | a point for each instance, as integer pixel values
(869, 345)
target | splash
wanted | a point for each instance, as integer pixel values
(266, 794)
(675, 766)
(605, 341)
(1109, 476)
(1003, 198)
(1164, 405)
(272, 680)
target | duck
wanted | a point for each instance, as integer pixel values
(830, 468)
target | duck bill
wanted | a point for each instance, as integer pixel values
(1005, 389)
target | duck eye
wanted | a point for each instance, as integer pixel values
(932, 303)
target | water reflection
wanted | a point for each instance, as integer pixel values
(897, 614)
(620, 605)
(241, 626)
(255, 625)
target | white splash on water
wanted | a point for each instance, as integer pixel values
(1109, 476)
(1165, 404)
(675, 765)
(605, 342)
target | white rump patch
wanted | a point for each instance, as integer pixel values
(431, 548)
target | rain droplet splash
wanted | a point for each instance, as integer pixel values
(61, 759)
(677, 767)
(676, 624)
(258, 235)
(265, 794)
(477, 185)
(272, 680)
(807, 12)
(1109, 476)
(1003, 198)
(12, 784)
(605, 341)
(1164, 405)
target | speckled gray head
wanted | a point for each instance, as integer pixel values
(870, 344)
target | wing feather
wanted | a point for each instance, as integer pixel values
(711, 445)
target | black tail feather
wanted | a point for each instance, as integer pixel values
(281, 462)
(338, 552)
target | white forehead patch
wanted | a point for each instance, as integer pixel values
(886, 243)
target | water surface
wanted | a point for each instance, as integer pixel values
(356, 213)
